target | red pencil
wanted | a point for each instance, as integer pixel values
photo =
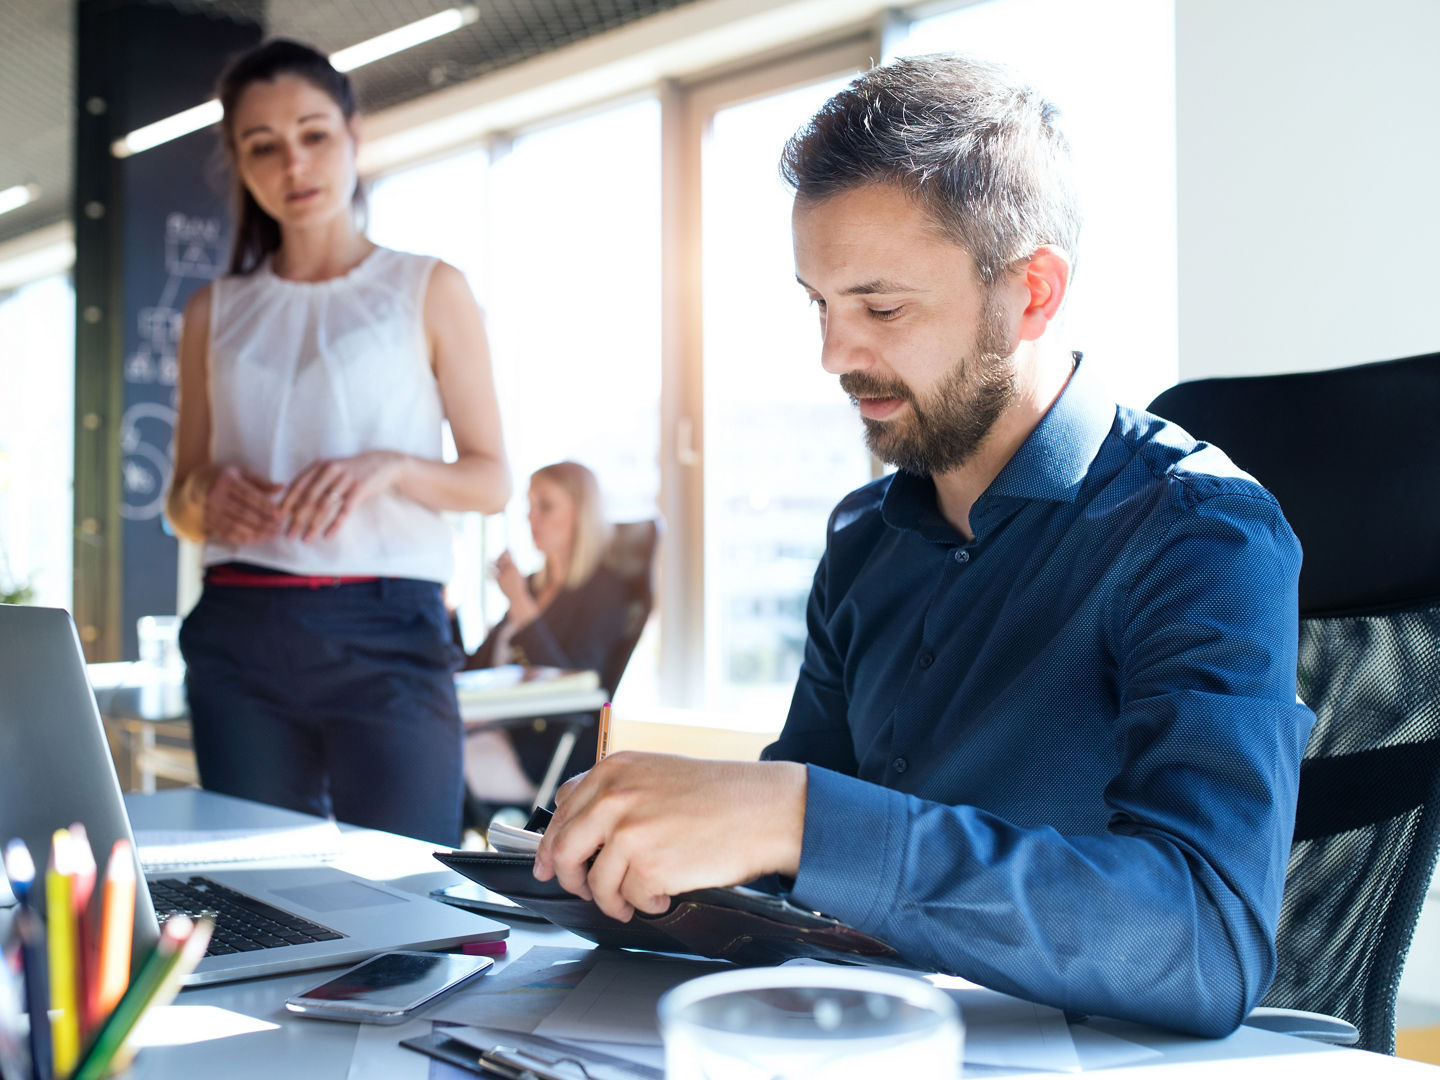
(86, 929)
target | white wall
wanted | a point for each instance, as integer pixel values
(1309, 165)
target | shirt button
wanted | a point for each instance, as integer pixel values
(899, 764)
(961, 555)
(926, 659)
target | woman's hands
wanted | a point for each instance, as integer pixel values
(523, 607)
(327, 492)
(239, 506)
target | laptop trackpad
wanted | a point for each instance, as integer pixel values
(337, 896)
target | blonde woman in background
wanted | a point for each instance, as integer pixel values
(571, 613)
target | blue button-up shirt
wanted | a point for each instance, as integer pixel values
(1061, 759)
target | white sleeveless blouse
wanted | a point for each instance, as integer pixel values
(303, 371)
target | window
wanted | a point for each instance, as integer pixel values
(1110, 67)
(37, 440)
(440, 209)
(782, 442)
(558, 232)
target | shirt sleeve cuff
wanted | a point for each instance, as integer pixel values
(850, 856)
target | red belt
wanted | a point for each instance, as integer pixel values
(224, 575)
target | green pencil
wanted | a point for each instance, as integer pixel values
(169, 954)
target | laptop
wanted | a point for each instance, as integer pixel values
(55, 769)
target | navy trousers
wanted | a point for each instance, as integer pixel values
(331, 700)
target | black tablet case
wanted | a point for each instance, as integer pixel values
(738, 924)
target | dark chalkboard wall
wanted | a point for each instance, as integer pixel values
(162, 231)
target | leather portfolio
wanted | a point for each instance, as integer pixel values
(740, 924)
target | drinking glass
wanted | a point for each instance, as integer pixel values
(162, 670)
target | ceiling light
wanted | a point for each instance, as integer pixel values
(172, 127)
(366, 52)
(406, 37)
(12, 198)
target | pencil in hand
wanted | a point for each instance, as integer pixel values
(602, 742)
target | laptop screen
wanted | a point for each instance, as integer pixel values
(55, 763)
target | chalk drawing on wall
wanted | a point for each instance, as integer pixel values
(194, 249)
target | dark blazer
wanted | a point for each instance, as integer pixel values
(580, 629)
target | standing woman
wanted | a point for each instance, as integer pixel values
(314, 379)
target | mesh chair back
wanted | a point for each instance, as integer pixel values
(1353, 457)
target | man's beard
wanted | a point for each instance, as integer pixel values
(943, 432)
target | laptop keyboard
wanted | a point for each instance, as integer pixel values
(242, 923)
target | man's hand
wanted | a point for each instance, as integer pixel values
(658, 824)
(325, 493)
(239, 506)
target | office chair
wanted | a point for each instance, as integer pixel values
(1353, 456)
(631, 557)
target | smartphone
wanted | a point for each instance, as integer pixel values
(387, 988)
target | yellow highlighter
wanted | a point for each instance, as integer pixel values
(62, 936)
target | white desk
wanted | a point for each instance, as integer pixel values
(321, 1050)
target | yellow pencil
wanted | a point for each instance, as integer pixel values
(602, 745)
(61, 935)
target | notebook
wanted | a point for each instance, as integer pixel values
(55, 768)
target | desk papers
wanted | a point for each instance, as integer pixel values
(615, 1002)
(165, 850)
(604, 1001)
(511, 682)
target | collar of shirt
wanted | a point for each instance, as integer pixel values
(1051, 464)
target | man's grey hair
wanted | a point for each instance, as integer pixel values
(980, 151)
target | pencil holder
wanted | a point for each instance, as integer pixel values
(68, 963)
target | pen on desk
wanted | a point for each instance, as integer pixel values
(20, 868)
(116, 925)
(60, 939)
(602, 742)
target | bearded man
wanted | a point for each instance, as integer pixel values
(1045, 735)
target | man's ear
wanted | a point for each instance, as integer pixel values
(1046, 278)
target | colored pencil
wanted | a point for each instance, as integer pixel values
(61, 940)
(86, 928)
(602, 742)
(20, 868)
(14, 1060)
(116, 926)
(182, 944)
